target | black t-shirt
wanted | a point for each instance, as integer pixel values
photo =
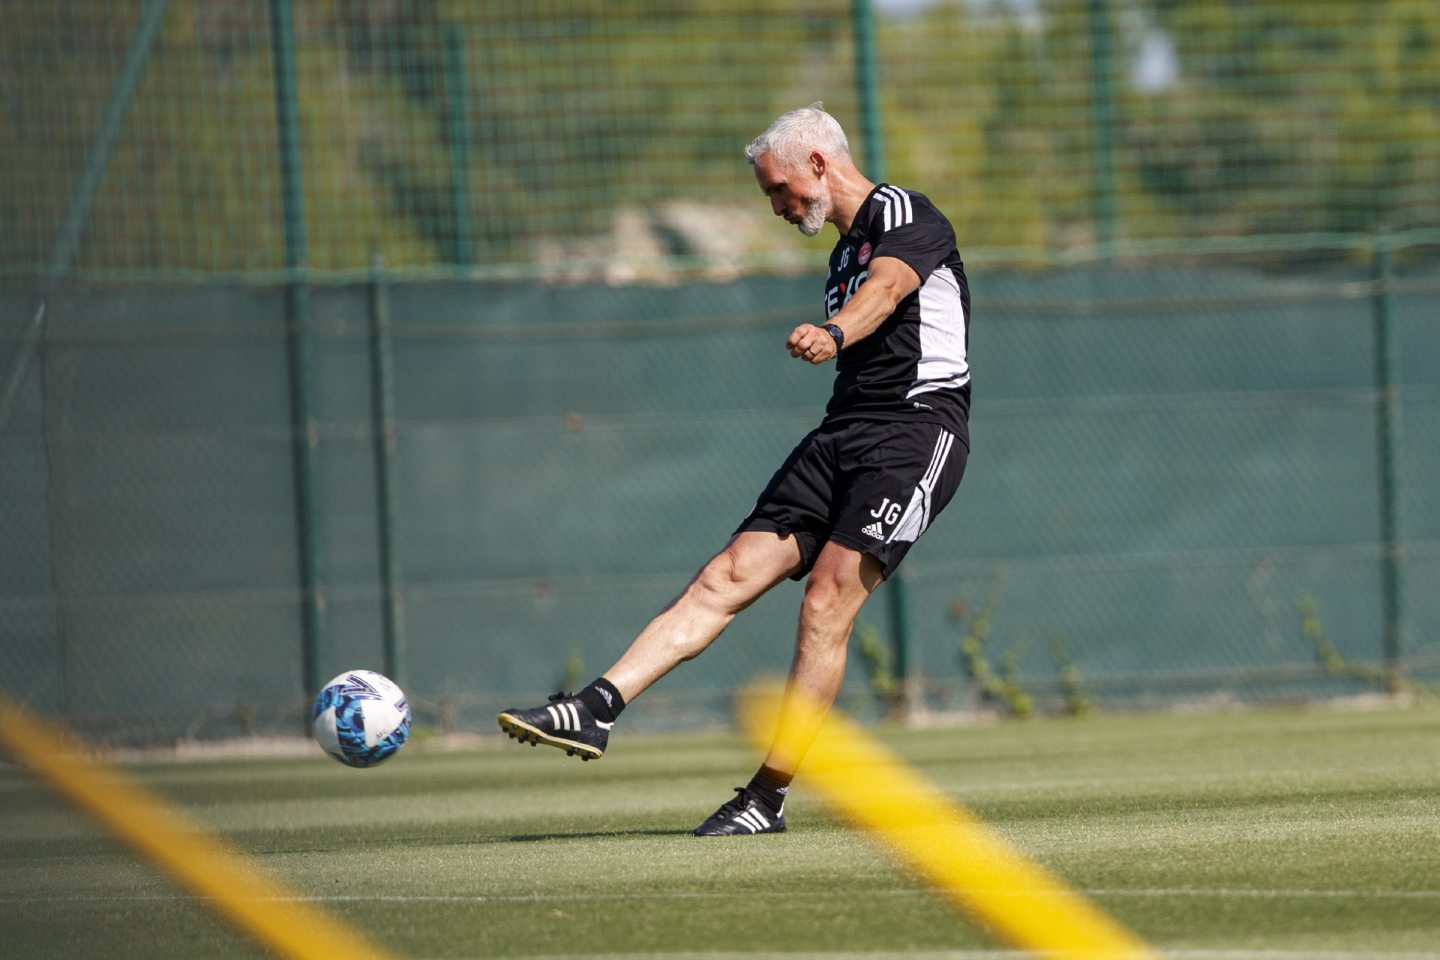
(914, 366)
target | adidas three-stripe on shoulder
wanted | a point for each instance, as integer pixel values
(896, 207)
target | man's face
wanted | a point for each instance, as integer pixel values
(796, 193)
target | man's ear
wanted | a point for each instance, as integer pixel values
(818, 163)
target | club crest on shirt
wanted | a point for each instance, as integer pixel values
(865, 251)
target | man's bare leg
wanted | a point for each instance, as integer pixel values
(839, 585)
(751, 563)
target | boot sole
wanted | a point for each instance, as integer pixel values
(525, 733)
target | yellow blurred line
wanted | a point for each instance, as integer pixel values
(164, 835)
(973, 865)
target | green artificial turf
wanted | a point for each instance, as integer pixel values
(1267, 834)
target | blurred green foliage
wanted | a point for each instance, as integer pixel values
(1288, 117)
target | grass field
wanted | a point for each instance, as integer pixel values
(1268, 834)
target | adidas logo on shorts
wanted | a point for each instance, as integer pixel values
(873, 530)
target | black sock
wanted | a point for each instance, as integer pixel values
(603, 700)
(771, 786)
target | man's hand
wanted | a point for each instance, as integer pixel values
(811, 343)
(888, 282)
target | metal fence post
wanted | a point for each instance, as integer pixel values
(299, 348)
(867, 88)
(77, 214)
(382, 419)
(62, 252)
(1387, 434)
(457, 131)
(897, 596)
(1102, 116)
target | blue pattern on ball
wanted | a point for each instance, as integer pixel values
(349, 696)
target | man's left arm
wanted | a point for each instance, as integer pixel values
(889, 281)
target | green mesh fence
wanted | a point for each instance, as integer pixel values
(549, 136)
(542, 300)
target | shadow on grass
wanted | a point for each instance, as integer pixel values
(592, 835)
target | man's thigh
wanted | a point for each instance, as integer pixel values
(797, 504)
(849, 575)
(751, 564)
(895, 484)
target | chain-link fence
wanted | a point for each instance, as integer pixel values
(444, 338)
(569, 136)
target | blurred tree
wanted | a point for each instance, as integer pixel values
(1294, 116)
(1287, 117)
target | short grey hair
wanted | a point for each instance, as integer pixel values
(794, 134)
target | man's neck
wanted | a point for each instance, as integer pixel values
(849, 188)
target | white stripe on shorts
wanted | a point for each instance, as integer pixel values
(917, 515)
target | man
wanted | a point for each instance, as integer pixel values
(856, 493)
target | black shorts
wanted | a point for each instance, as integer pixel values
(874, 485)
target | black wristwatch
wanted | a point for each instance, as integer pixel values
(837, 333)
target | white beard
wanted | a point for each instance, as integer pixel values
(814, 221)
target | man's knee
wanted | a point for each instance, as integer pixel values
(745, 569)
(827, 601)
(723, 578)
(839, 585)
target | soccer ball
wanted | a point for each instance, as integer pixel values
(361, 717)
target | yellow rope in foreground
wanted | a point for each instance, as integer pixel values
(225, 878)
(969, 862)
